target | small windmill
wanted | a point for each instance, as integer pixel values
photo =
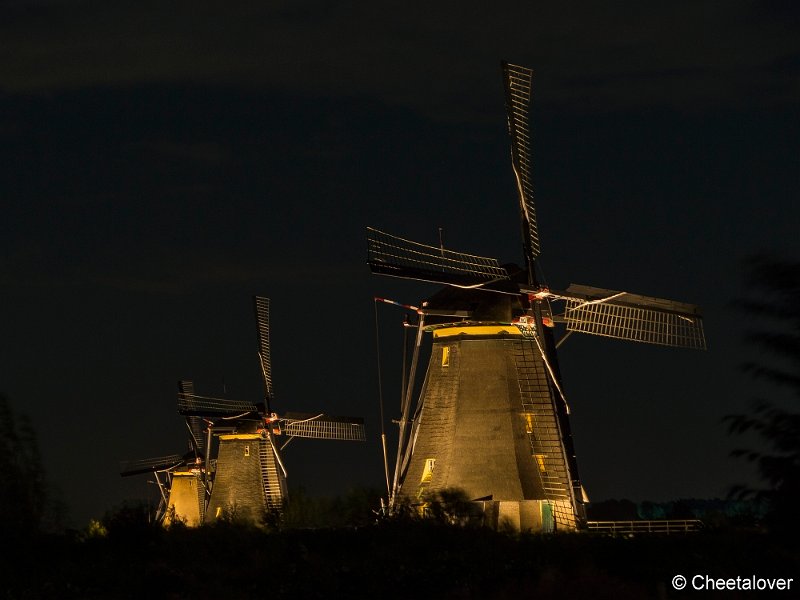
(492, 417)
(249, 474)
(182, 479)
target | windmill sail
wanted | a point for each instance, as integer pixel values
(261, 306)
(148, 465)
(626, 316)
(518, 97)
(194, 422)
(206, 406)
(322, 426)
(391, 255)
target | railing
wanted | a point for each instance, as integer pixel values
(660, 526)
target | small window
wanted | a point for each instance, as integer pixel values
(528, 423)
(540, 461)
(219, 512)
(427, 473)
(446, 356)
(247, 450)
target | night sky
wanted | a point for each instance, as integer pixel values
(161, 164)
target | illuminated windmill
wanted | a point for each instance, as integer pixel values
(182, 480)
(249, 479)
(492, 417)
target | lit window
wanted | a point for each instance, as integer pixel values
(247, 450)
(427, 473)
(446, 356)
(528, 423)
(540, 461)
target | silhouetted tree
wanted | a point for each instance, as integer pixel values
(25, 498)
(774, 299)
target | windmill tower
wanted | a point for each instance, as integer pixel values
(249, 474)
(182, 480)
(492, 416)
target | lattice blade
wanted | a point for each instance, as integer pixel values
(261, 306)
(195, 423)
(625, 316)
(324, 427)
(391, 255)
(149, 465)
(518, 98)
(205, 406)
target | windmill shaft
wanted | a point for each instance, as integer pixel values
(249, 478)
(187, 498)
(490, 424)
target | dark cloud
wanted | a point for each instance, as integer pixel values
(425, 57)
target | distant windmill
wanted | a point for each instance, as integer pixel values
(249, 475)
(492, 417)
(182, 479)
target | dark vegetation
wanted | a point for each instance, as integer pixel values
(343, 547)
(773, 304)
(127, 555)
(24, 490)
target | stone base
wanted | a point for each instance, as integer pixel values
(525, 516)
